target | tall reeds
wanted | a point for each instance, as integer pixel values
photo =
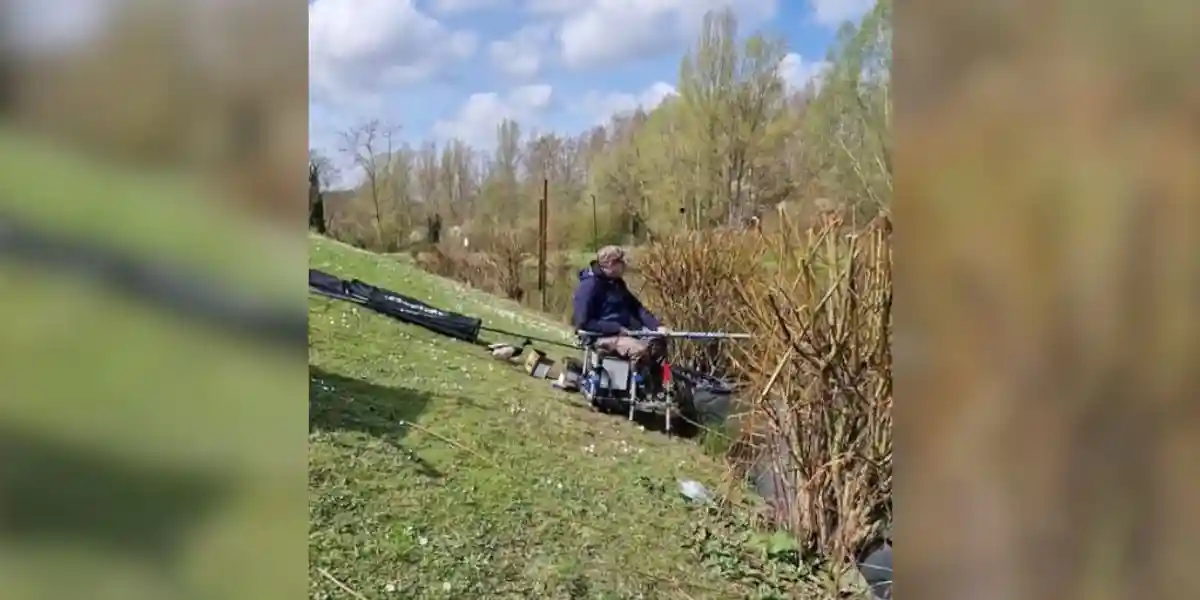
(814, 413)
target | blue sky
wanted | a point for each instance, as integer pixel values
(455, 68)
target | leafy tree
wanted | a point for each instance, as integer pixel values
(733, 144)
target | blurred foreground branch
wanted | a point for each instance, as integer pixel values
(159, 284)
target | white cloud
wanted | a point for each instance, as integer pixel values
(554, 7)
(604, 106)
(450, 7)
(521, 55)
(595, 33)
(478, 118)
(358, 48)
(832, 13)
(797, 72)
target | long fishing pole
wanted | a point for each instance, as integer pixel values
(530, 338)
(680, 335)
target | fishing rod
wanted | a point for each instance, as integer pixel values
(676, 335)
(529, 338)
(508, 351)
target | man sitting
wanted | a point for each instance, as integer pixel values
(604, 305)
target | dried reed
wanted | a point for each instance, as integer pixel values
(817, 417)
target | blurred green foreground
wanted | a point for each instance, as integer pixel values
(144, 456)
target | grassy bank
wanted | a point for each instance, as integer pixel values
(437, 472)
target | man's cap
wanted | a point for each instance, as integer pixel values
(609, 255)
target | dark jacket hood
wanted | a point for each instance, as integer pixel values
(590, 271)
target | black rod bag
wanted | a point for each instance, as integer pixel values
(324, 284)
(397, 306)
(411, 310)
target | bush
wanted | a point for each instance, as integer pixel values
(818, 413)
(814, 413)
(503, 267)
(692, 281)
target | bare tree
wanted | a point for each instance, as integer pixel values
(458, 179)
(371, 146)
(321, 173)
(501, 191)
(322, 170)
(399, 186)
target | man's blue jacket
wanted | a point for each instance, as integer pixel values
(605, 305)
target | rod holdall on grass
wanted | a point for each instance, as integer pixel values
(397, 306)
(324, 284)
(414, 311)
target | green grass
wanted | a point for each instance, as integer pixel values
(146, 456)
(437, 472)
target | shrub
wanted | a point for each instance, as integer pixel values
(692, 280)
(503, 267)
(818, 409)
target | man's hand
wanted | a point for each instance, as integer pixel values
(663, 329)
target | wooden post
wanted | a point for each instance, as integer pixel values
(543, 223)
(595, 234)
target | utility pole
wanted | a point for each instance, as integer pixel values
(543, 223)
(595, 234)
